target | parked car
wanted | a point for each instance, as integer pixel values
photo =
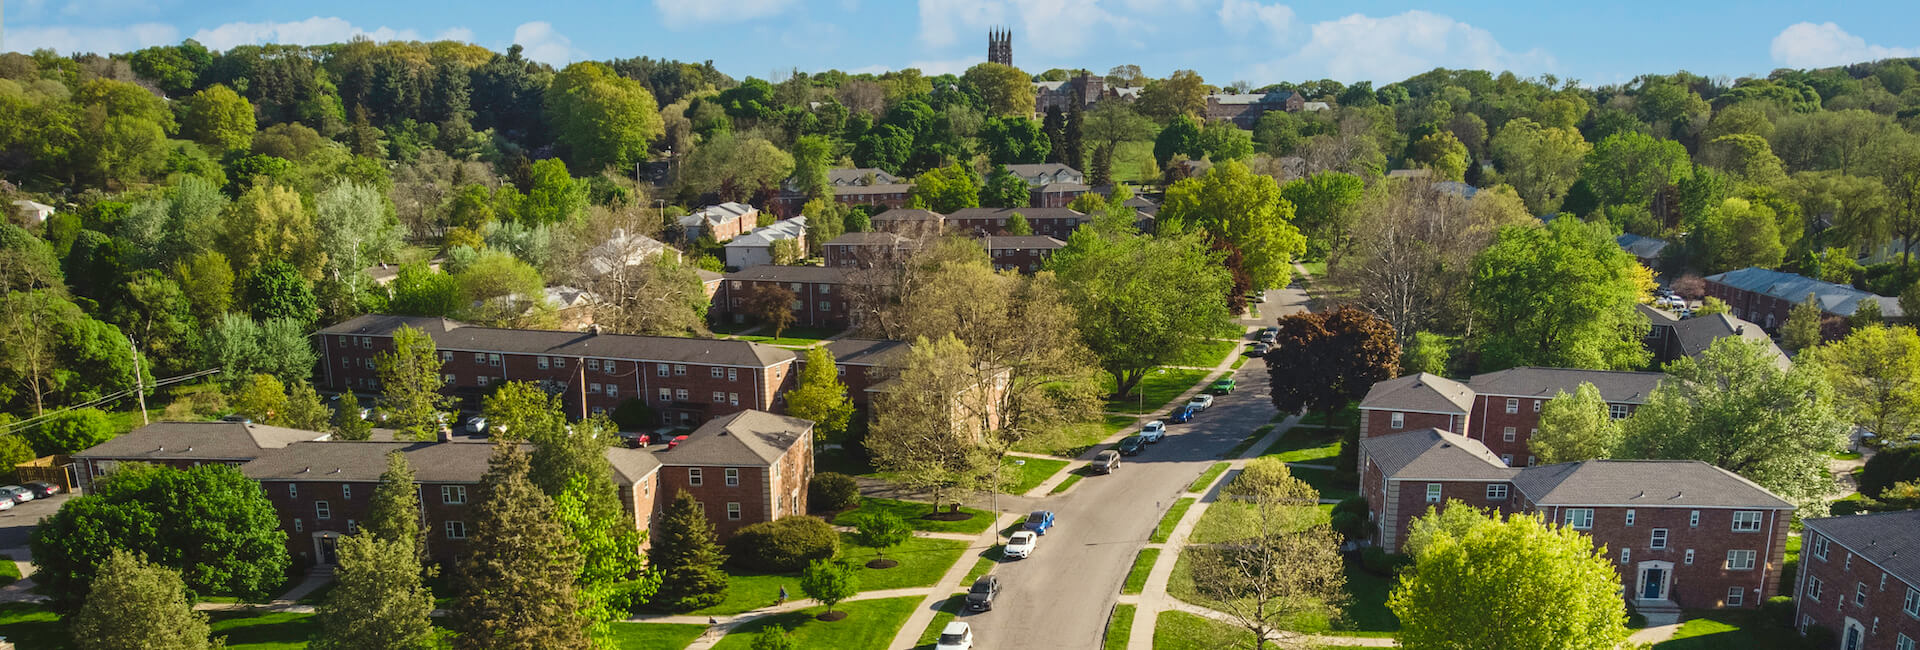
(477, 424)
(1183, 414)
(1224, 386)
(955, 636)
(1020, 545)
(980, 597)
(1259, 350)
(1154, 431)
(1132, 446)
(15, 493)
(42, 489)
(1039, 521)
(6, 504)
(1105, 462)
(1201, 402)
(1269, 337)
(1271, 329)
(1256, 296)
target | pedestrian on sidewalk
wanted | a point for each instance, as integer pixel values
(783, 595)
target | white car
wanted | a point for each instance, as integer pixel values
(1153, 431)
(955, 636)
(16, 493)
(1020, 545)
(477, 424)
(6, 504)
(1201, 402)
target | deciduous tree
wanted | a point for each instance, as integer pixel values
(1802, 329)
(1005, 189)
(1875, 375)
(820, 396)
(947, 189)
(1329, 359)
(603, 118)
(771, 304)
(1561, 296)
(922, 430)
(881, 531)
(218, 118)
(1141, 301)
(1232, 203)
(1539, 161)
(829, 582)
(135, 604)
(1575, 427)
(1280, 572)
(1006, 90)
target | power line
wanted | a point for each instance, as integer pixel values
(17, 427)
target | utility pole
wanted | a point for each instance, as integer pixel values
(139, 381)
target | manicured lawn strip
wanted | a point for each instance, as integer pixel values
(1070, 480)
(264, 631)
(1021, 473)
(1313, 446)
(1709, 630)
(1240, 361)
(1205, 355)
(1172, 519)
(945, 611)
(1161, 385)
(1843, 455)
(1246, 443)
(9, 572)
(1142, 565)
(1367, 612)
(922, 561)
(1072, 439)
(869, 624)
(1789, 566)
(1114, 423)
(654, 636)
(1175, 630)
(1346, 417)
(1207, 477)
(32, 625)
(988, 558)
(913, 513)
(1119, 627)
(1227, 520)
(1180, 585)
(802, 336)
(1316, 269)
(1329, 485)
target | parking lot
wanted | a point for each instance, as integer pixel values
(17, 523)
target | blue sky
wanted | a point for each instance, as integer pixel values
(1260, 41)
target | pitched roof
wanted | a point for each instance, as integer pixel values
(1651, 483)
(1434, 454)
(907, 214)
(876, 188)
(853, 175)
(778, 230)
(869, 352)
(162, 441)
(787, 273)
(868, 239)
(744, 438)
(722, 213)
(1064, 187)
(1036, 169)
(1534, 381)
(340, 460)
(1640, 246)
(1833, 298)
(1654, 316)
(1698, 333)
(1029, 213)
(1886, 538)
(1419, 392)
(454, 335)
(1022, 242)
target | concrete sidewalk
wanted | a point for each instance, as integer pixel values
(909, 634)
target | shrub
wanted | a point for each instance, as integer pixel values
(71, 431)
(1778, 610)
(1355, 505)
(1379, 562)
(830, 491)
(1890, 466)
(1350, 526)
(633, 415)
(785, 545)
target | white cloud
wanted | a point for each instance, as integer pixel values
(1392, 48)
(681, 13)
(541, 42)
(461, 34)
(1806, 45)
(1067, 25)
(1247, 16)
(312, 31)
(99, 40)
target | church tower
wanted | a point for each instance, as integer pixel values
(1000, 47)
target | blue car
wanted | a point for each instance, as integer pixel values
(1183, 414)
(1039, 522)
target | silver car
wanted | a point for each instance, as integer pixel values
(16, 493)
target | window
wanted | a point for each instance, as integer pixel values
(1860, 593)
(1626, 554)
(733, 511)
(613, 391)
(446, 355)
(321, 511)
(826, 289)
(607, 365)
(1513, 405)
(1689, 557)
(719, 397)
(593, 364)
(1497, 492)
(1813, 588)
(449, 378)
(481, 380)
(593, 388)
(662, 371)
(559, 362)
(453, 494)
(716, 373)
(479, 357)
(1659, 540)
(1736, 596)
(666, 394)
(1398, 420)
(299, 526)
(353, 527)
(1617, 411)
(1580, 518)
(1506, 459)
(693, 476)
(456, 530)
(1433, 493)
(342, 340)
(733, 399)
(679, 370)
(493, 360)
(293, 490)
(733, 476)
(733, 374)
(366, 342)
(1629, 516)
(1536, 406)
(1693, 519)
(599, 409)
(346, 491)
(1849, 562)
(540, 362)
(1913, 602)
(1740, 560)
(826, 305)
(681, 394)
(1506, 434)
(1820, 546)
(1903, 643)
(1746, 521)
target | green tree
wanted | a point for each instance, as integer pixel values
(1141, 301)
(1733, 408)
(1232, 203)
(347, 424)
(139, 605)
(603, 118)
(242, 348)
(1280, 571)
(53, 353)
(1005, 189)
(555, 196)
(1181, 137)
(71, 432)
(27, 262)
(735, 166)
(270, 223)
(515, 588)
(1541, 162)
(1633, 168)
(304, 409)
(260, 398)
(418, 290)
(812, 157)
(218, 118)
(393, 514)
(687, 557)
(1575, 427)
(881, 531)
(947, 189)
(1428, 352)
(1323, 207)
(1564, 297)
(410, 381)
(378, 600)
(156, 315)
(277, 290)
(774, 637)
(1221, 141)
(14, 450)
(1711, 305)
(1013, 140)
(1736, 234)
(820, 396)
(1017, 225)
(1182, 93)
(925, 432)
(829, 582)
(1875, 375)
(1443, 153)
(1557, 589)
(355, 231)
(1332, 359)
(1006, 90)
(207, 282)
(1802, 329)
(500, 290)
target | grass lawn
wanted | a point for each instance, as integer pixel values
(922, 561)
(988, 558)
(1183, 631)
(1844, 455)
(1789, 566)
(1074, 438)
(1205, 355)
(869, 624)
(1230, 519)
(1240, 361)
(1180, 585)
(264, 631)
(1206, 478)
(1160, 386)
(1071, 479)
(1367, 612)
(1119, 627)
(1311, 446)
(1132, 160)
(1246, 443)
(655, 636)
(1316, 269)
(1728, 630)
(944, 614)
(797, 336)
(1330, 485)
(9, 572)
(1172, 518)
(913, 512)
(1346, 417)
(1021, 473)
(1142, 565)
(31, 625)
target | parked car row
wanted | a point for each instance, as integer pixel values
(16, 494)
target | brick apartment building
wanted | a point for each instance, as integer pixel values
(1499, 409)
(865, 363)
(866, 250)
(1683, 534)
(819, 293)
(914, 223)
(1245, 109)
(1026, 254)
(1669, 338)
(1860, 577)
(1766, 296)
(186, 445)
(721, 222)
(1053, 185)
(685, 380)
(1050, 222)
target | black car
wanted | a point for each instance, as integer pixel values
(1133, 445)
(980, 597)
(42, 489)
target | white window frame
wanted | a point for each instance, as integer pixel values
(1496, 491)
(719, 397)
(1433, 492)
(346, 491)
(663, 370)
(1740, 560)
(480, 358)
(679, 370)
(299, 526)
(733, 399)
(1626, 554)
(1580, 518)
(293, 490)
(322, 511)
(1617, 411)
(459, 527)
(1903, 642)
(1736, 596)
(1507, 434)
(695, 477)
(733, 476)
(1657, 539)
(1689, 557)
(733, 374)
(666, 394)
(1912, 607)
(1513, 405)
(541, 363)
(1693, 519)
(593, 364)
(613, 390)
(715, 372)
(1629, 516)
(1752, 518)
(733, 511)
(453, 495)
(1860, 594)
(1819, 546)
(1398, 421)
(680, 394)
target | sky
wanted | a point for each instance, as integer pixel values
(1257, 41)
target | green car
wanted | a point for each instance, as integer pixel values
(1222, 386)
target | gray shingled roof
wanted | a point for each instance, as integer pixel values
(1533, 381)
(745, 438)
(454, 335)
(869, 352)
(433, 462)
(1023, 242)
(783, 273)
(1661, 483)
(877, 188)
(1434, 454)
(1641, 246)
(1419, 392)
(907, 214)
(868, 239)
(1833, 298)
(198, 441)
(1698, 333)
(1030, 213)
(1889, 539)
(853, 175)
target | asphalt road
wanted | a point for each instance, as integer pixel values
(18, 522)
(1060, 597)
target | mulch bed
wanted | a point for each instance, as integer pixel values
(830, 616)
(881, 563)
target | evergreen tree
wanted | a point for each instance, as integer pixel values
(394, 514)
(347, 423)
(688, 558)
(1802, 330)
(410, 375)
(138, 605)
(820, 396)
(516, 587)
(1054, 125)
(377, 600)
(1075, 142)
